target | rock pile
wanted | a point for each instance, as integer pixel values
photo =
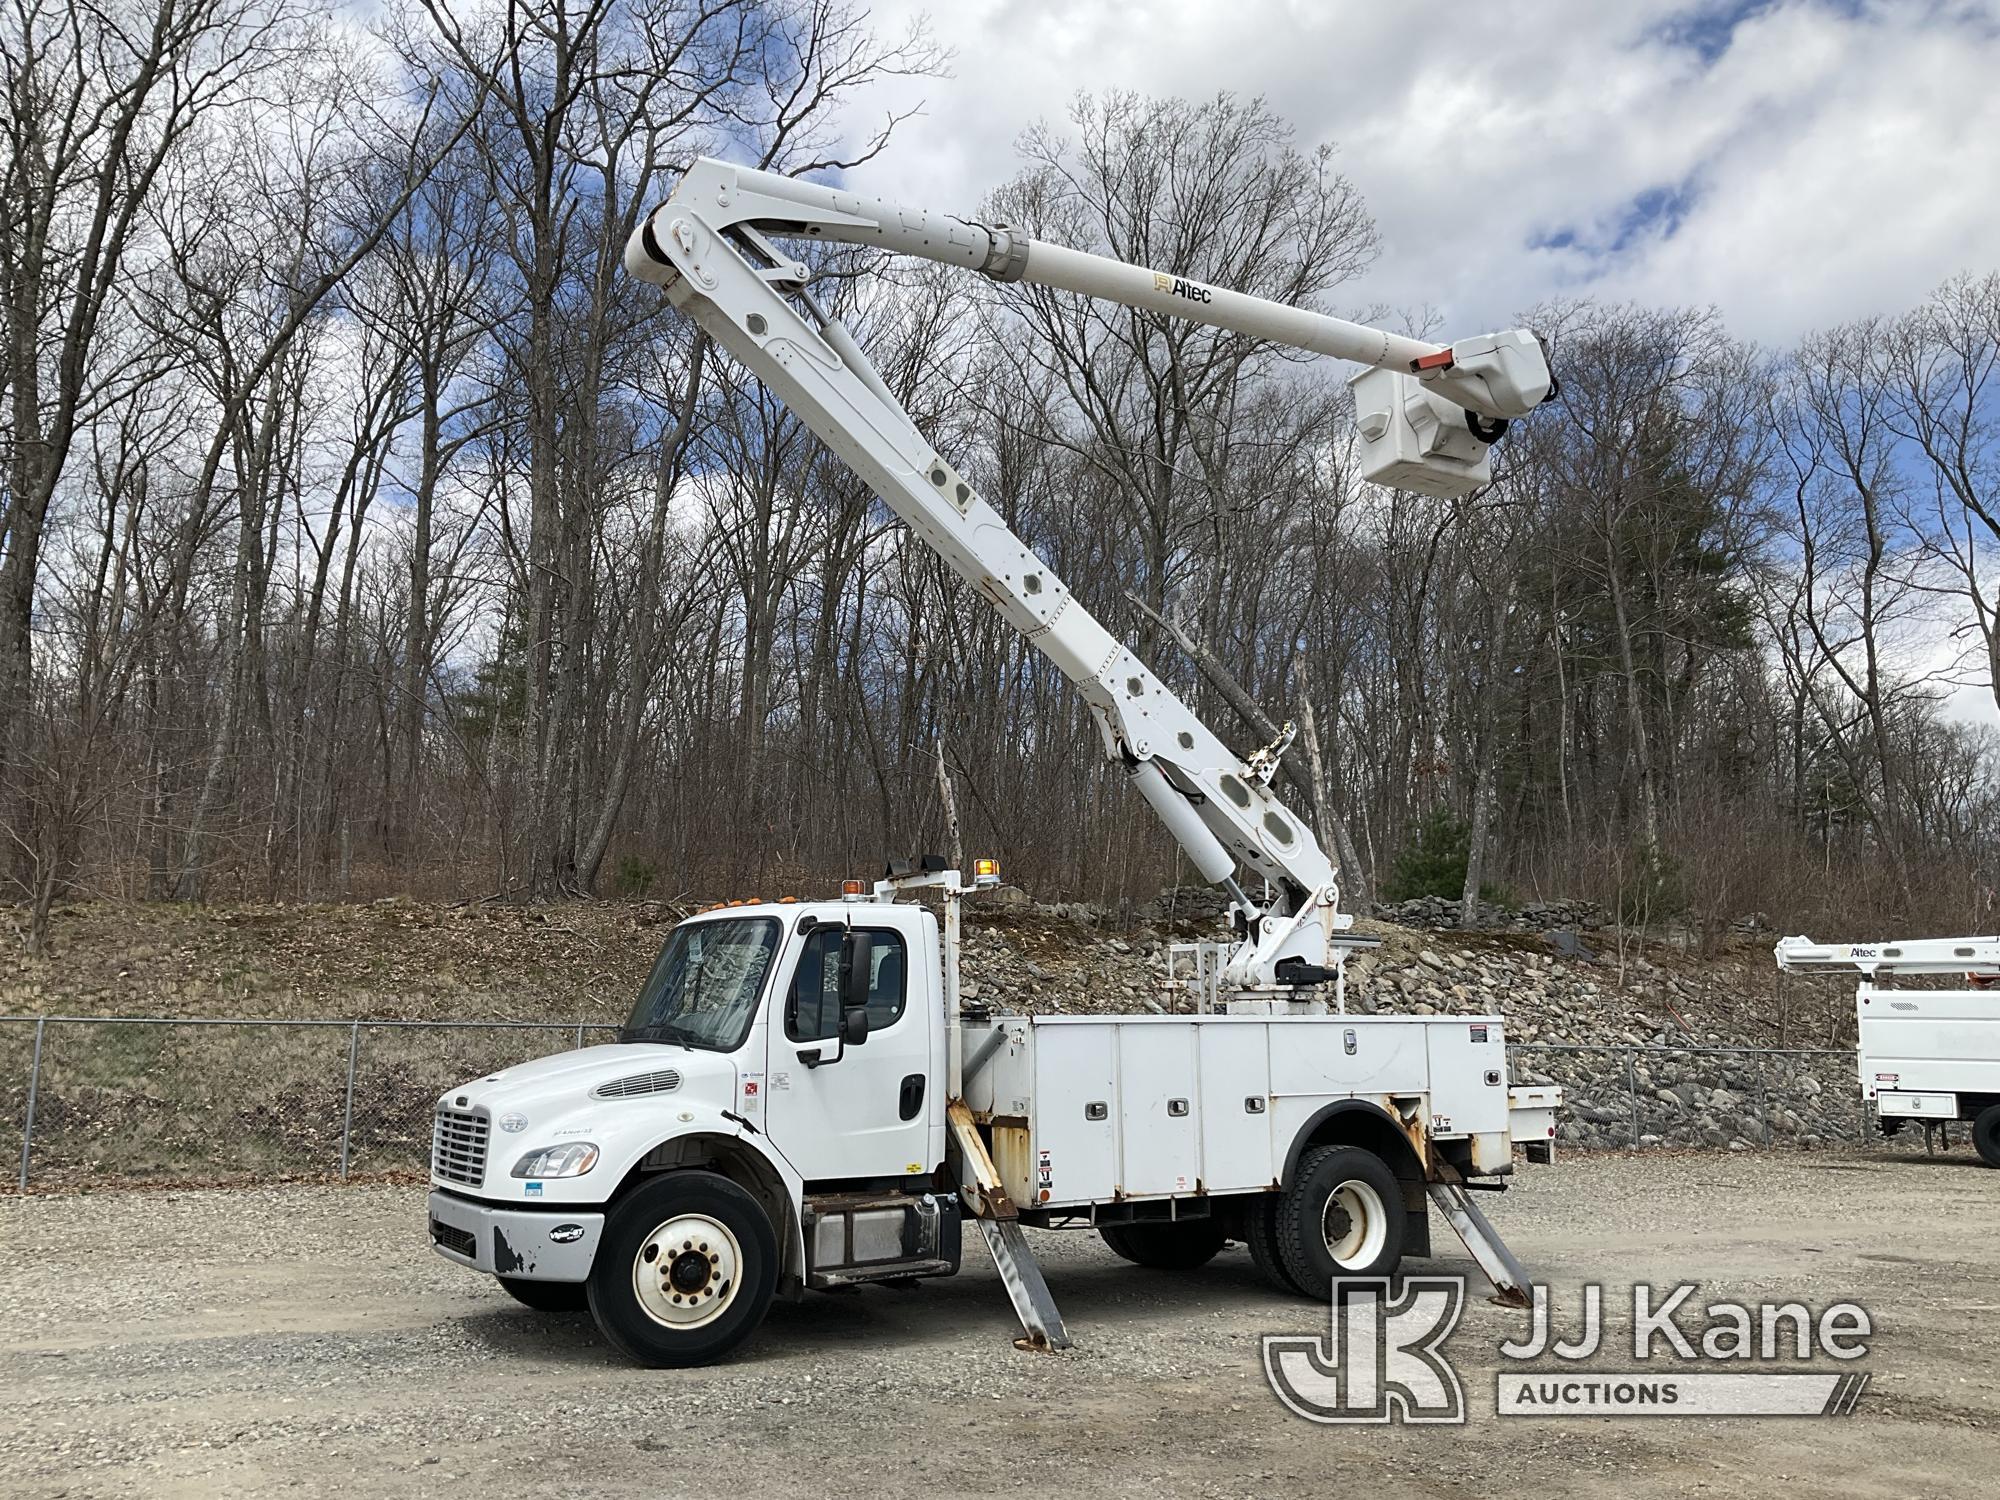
(1578, 1018)
(1187, 903)
(1735, 1101)
(1437, 913)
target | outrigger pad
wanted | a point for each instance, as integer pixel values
(1509, 1277)
(1021, 1274)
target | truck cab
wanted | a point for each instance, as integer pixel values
(782, 1058)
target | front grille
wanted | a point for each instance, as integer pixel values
(663, 1082)
(458, 1146)
(458, 1241)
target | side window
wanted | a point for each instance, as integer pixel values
(813, 1013)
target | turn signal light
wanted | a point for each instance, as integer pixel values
(986, 872)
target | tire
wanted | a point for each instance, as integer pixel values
(685, 1271)
(1166, 1247)
(1986, 1135)
(1260, 1233)
(546, 1296)
(1342, 1216)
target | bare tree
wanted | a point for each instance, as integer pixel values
(1943, 372)
(99, 102)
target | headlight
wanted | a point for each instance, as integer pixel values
(571, 1160)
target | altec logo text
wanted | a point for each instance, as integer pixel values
(1176, 286)
(1384, 1359)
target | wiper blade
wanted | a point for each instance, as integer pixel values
(659, 1031)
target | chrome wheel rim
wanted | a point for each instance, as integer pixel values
(687, 1271)
(1354, 1223)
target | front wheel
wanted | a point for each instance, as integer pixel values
(685, 1271)
(1986, 1135)
(1342, 1216)
(546, 1296)
(1166, 1247)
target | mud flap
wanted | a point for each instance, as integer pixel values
(1509, 1277)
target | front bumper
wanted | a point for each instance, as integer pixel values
(539, 1246)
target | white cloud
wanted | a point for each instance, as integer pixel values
(1795, 164)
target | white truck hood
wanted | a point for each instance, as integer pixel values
(553, 1100)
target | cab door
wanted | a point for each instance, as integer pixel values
(839, 1109)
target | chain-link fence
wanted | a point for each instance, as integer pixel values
(141, 1098)
(88, 1099)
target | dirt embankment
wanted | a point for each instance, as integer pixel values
(584, 961)
(168, 1103)
(399, 959)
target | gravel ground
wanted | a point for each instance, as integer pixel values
(251, 1341)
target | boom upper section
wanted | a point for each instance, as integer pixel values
(1959, 955)
(1425, 424)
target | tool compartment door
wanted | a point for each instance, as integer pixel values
(1159, 1130)
(1333, 1056)
(1234, 1063)
(1073, 1146)
(1468, 1076)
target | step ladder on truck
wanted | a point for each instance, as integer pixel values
(800, 1101)
(1924, 1056)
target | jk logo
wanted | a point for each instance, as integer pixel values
(1382, 1361)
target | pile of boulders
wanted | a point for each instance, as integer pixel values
(1735, 1101)
(1043, 970)
(1577, 1012)
(1187, 903)
(1594, 1026)
(1439, 913)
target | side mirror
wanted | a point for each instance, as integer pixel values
(857, 971)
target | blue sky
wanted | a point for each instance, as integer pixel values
(1795, 163)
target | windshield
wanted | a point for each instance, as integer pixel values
(704, 986)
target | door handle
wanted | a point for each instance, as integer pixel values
(910, 1098)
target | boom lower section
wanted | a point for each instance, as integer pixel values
(1220, 809)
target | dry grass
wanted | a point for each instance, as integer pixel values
(401, 959)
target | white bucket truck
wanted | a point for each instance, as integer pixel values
(777, 1116)
(1925, 1056)
(798, 1102)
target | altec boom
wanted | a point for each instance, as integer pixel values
(1430, 415)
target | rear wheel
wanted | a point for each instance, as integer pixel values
(1260, 1233)
(546, 1296)
(1342, 1216)
(1986, 1135)
(1166, 1247)
(685, 1271)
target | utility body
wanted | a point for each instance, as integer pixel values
(1928, 1056)
(801, 1102)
